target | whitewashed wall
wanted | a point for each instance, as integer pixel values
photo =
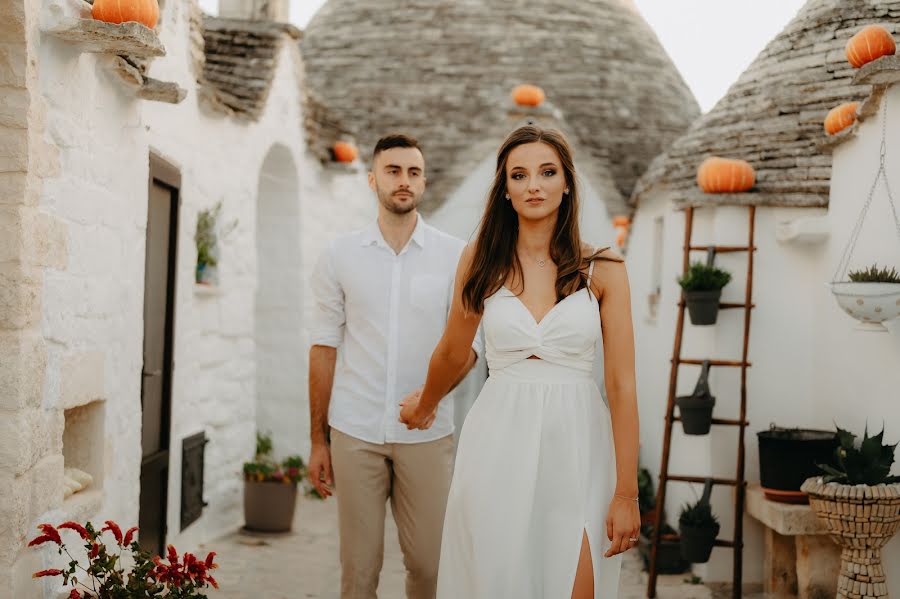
(93, 308)
(811, 368)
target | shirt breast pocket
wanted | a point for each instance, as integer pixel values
(430, 293)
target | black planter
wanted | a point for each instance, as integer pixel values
(697, 543)
(703, 306)
(668, 556)
(696, 413)
(788, 456)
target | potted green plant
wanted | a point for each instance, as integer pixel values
(207, 236)
(872, 296)
(702, 285)
(698, 529)
(696, 409)
(858, 502)
(270, 488)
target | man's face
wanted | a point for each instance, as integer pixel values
(398, 179)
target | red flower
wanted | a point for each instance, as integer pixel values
(40, 540)
(209, 561)
(114, 528)
(172, 554)
(212, 581)
(129, 534)
(51, 532)
(95, 551)
(81, 530)
(51, 572)
(74, 594)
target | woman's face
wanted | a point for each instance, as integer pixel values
(535, 181)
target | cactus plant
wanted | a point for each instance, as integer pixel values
(867, 463)
(873, 274)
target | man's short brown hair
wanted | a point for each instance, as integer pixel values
(396, 140)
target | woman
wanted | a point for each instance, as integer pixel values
(544, 492)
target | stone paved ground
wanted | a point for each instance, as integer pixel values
(304, 564)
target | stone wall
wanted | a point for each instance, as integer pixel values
(32, 244)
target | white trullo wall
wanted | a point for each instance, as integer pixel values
(94, 211)
(811, 367)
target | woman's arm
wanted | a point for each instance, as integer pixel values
(452, 356)
(610, 280)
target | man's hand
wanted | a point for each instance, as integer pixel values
(411, 415)
(319, 471)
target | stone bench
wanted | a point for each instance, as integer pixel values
(800, 560)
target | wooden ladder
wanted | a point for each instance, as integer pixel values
(738, 482)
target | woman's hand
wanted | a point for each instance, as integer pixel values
(411, 415)
(623, 525)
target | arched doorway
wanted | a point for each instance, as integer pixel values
(278, 306)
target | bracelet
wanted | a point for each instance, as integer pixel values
(628, 498)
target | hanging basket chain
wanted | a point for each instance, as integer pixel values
(844, 263)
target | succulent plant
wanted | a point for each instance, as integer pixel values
(701, 277)
(873, 274)
(867, 462)
(698, 515)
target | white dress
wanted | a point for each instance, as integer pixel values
(535, 465)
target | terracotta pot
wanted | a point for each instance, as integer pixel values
(861, 519)
(269, 506)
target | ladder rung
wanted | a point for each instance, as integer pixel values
(702, 479)
(675, 537)
(723, 421)
(714, 362)
(722, 249)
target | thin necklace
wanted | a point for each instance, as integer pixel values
(540, 263)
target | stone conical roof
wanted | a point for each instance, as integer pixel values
(442, 70)
(772, 116)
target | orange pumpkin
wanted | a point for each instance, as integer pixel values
(872, 41)
(528, 95)
(840, 117)
(345, 151)
(145, 12)
(724, 175)
(622, 224)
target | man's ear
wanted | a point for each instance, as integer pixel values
(371, 180)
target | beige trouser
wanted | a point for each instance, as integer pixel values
(416, 478)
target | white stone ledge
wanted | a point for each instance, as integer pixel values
(84, 505)
(207, 290)
(784, 518)
(90, 35)
(883, 71)
(804, 230)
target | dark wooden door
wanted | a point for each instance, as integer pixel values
(159, 327)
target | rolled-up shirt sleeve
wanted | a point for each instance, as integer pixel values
(329, 317)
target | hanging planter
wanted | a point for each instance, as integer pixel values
(871, 296)
(702, 285)
(698, 528)
(696, 409)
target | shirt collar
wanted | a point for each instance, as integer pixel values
(372, 234)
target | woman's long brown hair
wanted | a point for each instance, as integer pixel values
(495, 246)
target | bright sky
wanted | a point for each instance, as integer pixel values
(710, 41)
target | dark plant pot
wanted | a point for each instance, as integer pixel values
(703, 306)
(697, 543)
(269, 506)
(668, 556)
(788, 456)
(696, 413)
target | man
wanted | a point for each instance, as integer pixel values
(382, 296)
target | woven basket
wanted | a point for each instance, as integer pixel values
(861, 519)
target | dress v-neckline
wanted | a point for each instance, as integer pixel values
(530, 313)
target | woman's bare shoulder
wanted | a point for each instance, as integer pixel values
(590, 253)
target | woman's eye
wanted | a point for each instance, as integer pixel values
(549, 172)
(517, 176)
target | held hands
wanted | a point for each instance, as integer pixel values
(319, 470)
(623, 524)
(412, 416)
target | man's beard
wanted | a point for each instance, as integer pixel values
(387, 200)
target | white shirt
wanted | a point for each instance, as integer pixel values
(386, 312)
